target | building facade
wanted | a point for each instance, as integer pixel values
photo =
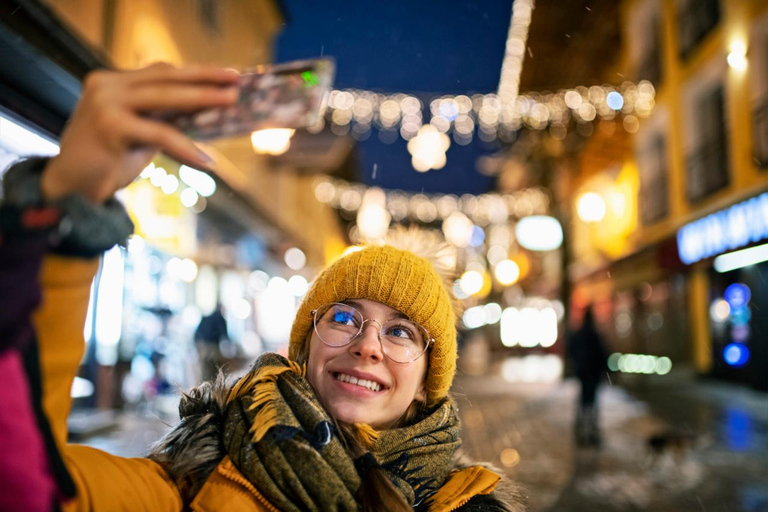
(689, 181)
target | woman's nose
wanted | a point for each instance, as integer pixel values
(367, 344)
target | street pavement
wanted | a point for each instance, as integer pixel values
(525, 429)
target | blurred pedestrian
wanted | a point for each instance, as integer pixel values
(588, 355)
(210, 333)
(357, 418)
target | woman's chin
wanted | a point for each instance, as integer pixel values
(350, 413)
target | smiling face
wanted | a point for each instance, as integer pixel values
(357, 383)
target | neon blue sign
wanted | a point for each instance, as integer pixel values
(737, 295)
(728, 229)
(736, 354)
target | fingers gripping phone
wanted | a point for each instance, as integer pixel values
(288, 95)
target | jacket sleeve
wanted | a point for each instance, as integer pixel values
(104, 481)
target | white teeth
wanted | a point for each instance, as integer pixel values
(373, 386)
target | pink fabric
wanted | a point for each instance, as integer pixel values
(26, 482)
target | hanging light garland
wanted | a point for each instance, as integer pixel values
(514, 51)
(486, 114)
(481, 210)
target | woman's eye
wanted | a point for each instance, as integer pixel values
(343, 317)
(401, 332)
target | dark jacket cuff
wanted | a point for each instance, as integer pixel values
(84, 229)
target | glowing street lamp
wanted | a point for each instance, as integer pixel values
(737, 58)
(272, 141)
(591, 207)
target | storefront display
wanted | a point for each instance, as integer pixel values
(730, 247)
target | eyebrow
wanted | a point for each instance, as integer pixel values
(395, 313)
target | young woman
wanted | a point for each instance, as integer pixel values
(357, 418)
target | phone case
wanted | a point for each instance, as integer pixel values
(287, 95)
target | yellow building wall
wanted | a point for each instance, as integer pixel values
(602, 243)
(150, 30)
(746, 179)
(146, 31)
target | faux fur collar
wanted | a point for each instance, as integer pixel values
(191, 451)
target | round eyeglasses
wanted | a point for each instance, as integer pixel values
(402, 340)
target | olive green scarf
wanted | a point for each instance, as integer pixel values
(281, 438)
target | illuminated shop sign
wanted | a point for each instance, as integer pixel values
(734, 227)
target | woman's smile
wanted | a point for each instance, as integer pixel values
(354, 379)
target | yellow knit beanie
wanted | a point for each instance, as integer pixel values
(401, 280)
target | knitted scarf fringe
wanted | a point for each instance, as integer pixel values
(368, 435)
(262, 386)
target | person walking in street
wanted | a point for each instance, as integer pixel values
(588, 355)
(358, 417)
(210, 333)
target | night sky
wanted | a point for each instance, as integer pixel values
(426, 49)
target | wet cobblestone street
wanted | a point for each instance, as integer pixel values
(723, 467)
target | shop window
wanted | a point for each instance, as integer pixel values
(695, 18)
(707, 163)
(650, 61)
(759, 72)
(738, 326)
(644, 37)
(760, 133)
(653, 195)
(210, 15)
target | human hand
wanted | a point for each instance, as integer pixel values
(112, 137)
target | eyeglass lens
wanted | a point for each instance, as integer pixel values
(339, 324)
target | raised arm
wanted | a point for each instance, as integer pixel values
(113, 134)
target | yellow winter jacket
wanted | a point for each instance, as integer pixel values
(110, 483)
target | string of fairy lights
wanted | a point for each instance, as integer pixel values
(358, 111)
(514, 50)
(483, 209)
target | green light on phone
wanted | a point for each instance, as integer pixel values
(309, 78)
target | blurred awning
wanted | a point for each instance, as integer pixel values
(41, 64)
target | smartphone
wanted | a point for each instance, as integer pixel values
(287, 95)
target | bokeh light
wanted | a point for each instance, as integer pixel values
(471, 282)
(539, 233)
(272, 141)
(509, 457)
(507, 272)
(736, 354)
(295, 258)
(591, 207)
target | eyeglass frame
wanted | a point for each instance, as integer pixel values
(429, 339)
